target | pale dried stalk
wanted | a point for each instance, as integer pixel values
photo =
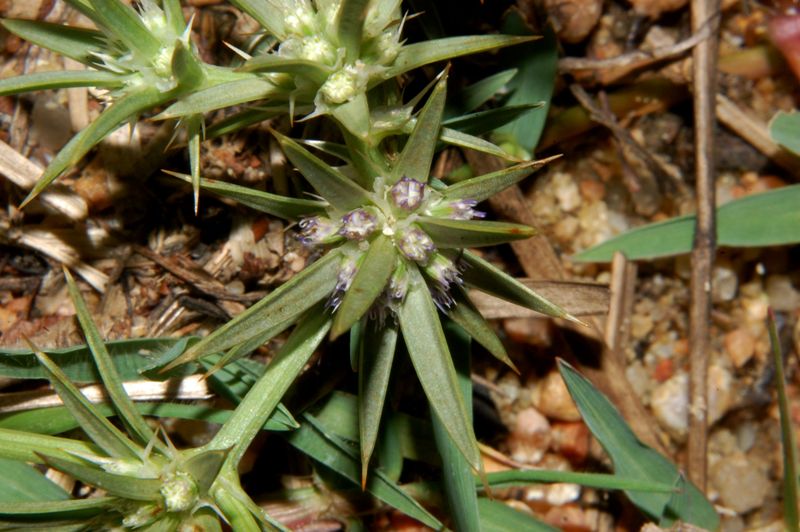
(191, 388)
(579, 299)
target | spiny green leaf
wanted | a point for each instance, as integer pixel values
(350, 26)
(174, 13)
(263, 397)
(187, 67)
(489, 120)
(367, 285)
(377, 348)
(194, 132)
(76, 43)
(288, 301)
(22, 483)
(24, 446)
(320, 443)
(219, 95)
(245, 118)
(415, 159)
(422, 53)
(634, 460)
(473, 96)
(447, 233)
(124, 23)
(487, 278)
(485, 186)
(785, 130)
(273, 62)
(61, 79)
(96, 426)
(137, 489)
(424, 338)
(353, 116)
(766, 219)
(465, 140)
(469, 318)
(62, 509)
(338, 190)
(125, 108)
(274, 204)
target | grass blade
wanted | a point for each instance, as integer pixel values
(367, 285)
(465, 140)
(76, 43)
(338, 190)
(485, 186)
(287, 302)
(350, 26)
(507, 479)
(61, 79)
(124, 23)
(499, 517)
(112, 383)
(137, 489)
(217, 96)
(22, 483)
(470, 319)
(62, 509)
(415, 159)
(27, 447)
(788, 443)
(634, 460)
(785, 130)
(470, 98)
(376, 356)
(482, 122)
(427, 347)
(447, 233)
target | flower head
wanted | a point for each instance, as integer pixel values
(358, 224)
(407, 193)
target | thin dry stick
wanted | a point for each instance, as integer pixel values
(704, 69)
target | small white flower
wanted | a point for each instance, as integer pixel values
(345, 83)
(179, 492)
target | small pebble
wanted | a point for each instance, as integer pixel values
(741, 485)
(530, 437)
(740, 346)
(566, 192)
(571, 440)
(781, 293)
(724, 283)
(552, 399)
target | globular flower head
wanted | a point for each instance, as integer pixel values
(407, 194)
(415, 244)
(358, 224)
(318, 230)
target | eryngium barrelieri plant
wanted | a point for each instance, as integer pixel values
(391, 241)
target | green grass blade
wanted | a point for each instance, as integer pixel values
(194, 133)
(376, 356)
(427, 347)
(508, 479)
(112, 383)
(458, 479)
(273, 62)
(485, 277)
(27, 447)
(123, 109)
(131, 358)
(338, 190)
(471, 142)
(785, 130)
(243, 119)
(264, 396)
(469, 318)
(788, 443)
(287, 302)
(423, 53)
(415, 159)
(124, 23)
(499, 517)
(485, 186)
(274, 204)
(447, 233)
(62, 509)
(350, 26)
(766, 219)
(367, 285)
(317, 441)
(217, 96)
(23, 483)
(96, 426)
(133, 488)
(489, 120)
(76, 43)
(634, 460)
(61, 79)
(473, 96)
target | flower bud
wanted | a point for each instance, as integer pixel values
(443, 271)
(407, 194)
(358, 224)
(345, 83)
(416, 245)
(179, 492)
(317, 230)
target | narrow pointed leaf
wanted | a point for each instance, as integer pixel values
(338, 190)
(187, 67)
(367, 285)
(469, 318)
(194, 131)
(76, 43)
(23, 483)
(95, 425)
(448, 233)
(123, 109)
(632, 459)
(320, 443)
(350, 26)
(376, 356)
(485, 186)
(419, 54)
(245, 118)
(273, 62)
(105, 366)
(471, 142)
(204, 468)
(282, 206)
(604, 481)
(427, 347)
(340, 151)
(458, 479)
(471, 97)
(487, 278)
(499, 517)
(24, 446)
(124, 23)
(133, 488)
(263, 397)
(61, 79)
(417, 155)
(487, 121)
(288, 301)
(217, 96)
(353, 116)
(172, 9)
(57, 509)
